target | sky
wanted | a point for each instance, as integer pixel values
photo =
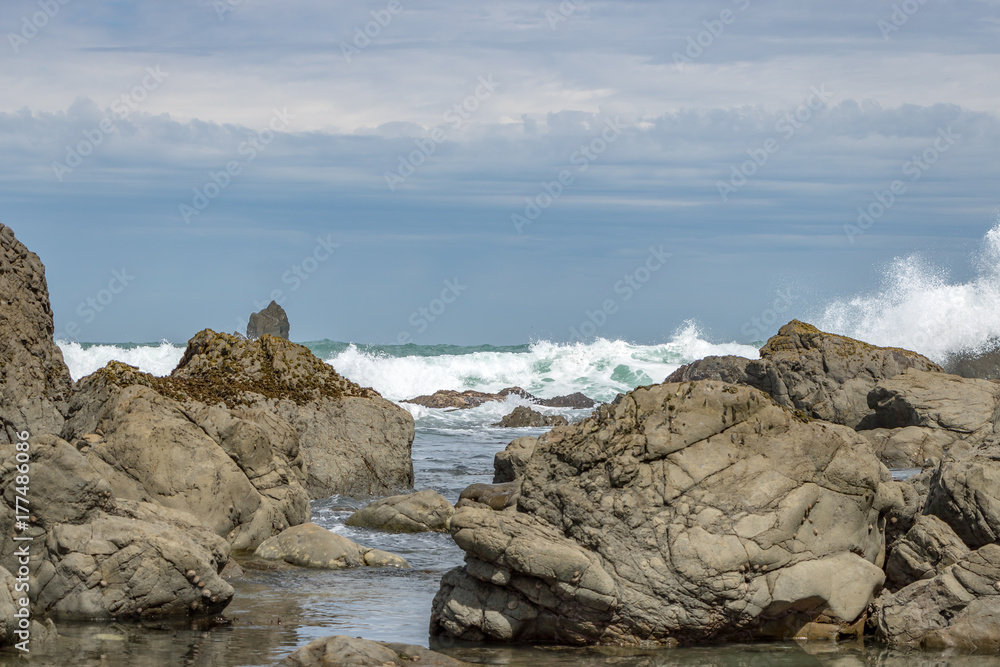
(473, 172)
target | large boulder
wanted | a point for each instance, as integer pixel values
(524, 417)
(238, 470)
(283, 416)
(576, 400)
(357, 652)
(95, 556)
(272, 321)
(420, 512)
(959, 608)
(309, 545)
(34, 381)
(731, 369)
(682, 512)
(509, 464)
(827, 376)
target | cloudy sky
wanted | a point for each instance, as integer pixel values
(473, 172)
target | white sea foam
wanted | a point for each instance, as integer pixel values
(918, 307)
(158, 359)
(600, 369)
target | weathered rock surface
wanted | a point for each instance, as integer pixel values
(965, 493)
(34, 381)
(241, 434)
(272, 321)
(36, 633)
(239, 471)
(357, 652)
(497, 497)
(309, 545)
(419, 512)
(827, 376)
(575, 400)
(509, 464)
(523, 417)
(448, 398)
(929, 547)
(682, 512)
(95, 556)
(729, 369)
(959, 608)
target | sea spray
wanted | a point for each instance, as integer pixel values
(917, 307)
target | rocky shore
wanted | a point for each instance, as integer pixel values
(747, 499)
(142, 487)
(737, 500)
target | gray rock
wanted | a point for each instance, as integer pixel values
(683, 512)
(913, 446)
(965, 493)
(827, 376)
(958, 609)
(95, 556)
(509, 464)
(929, 547)
(420, 512)
(309, 545)
(575, 400)
(34, 381)
(357, 652)
(497, 497)
(523, 417)
(984, 365)
(729, 369)
(272, 321)
(448, 398)
(239, 471)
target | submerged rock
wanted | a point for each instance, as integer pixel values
(448, 398)
(682, 512)
(509, 464)
(415, 513)
(357, 652)
(523, 417)
(272, 321)
(827, 376)
(34, 380)
(309, 545)
(575, 400)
